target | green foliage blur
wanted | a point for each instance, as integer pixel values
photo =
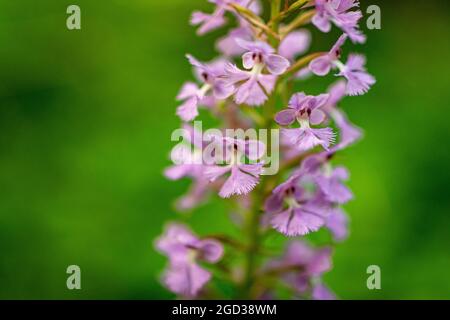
(85, 124)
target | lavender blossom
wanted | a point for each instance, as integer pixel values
(189, 163)
(330, 183)
(358, 80)
(293, 210)
(304, 265)
(188, 157)
(193, 96)
(210, 22)
(306, 110)
(253, 86)
(184, 275)
(243, 177)
(337, 11)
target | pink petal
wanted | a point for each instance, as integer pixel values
(256, 46)
(336, 49)
(295, 222)
(238, 183)
(320, 66)
(250, 93)
(233, 74)
(294, 44)
(276, 64)
(188, 110)
(247, 60)
(349, 133)
(320, 262)
(211, 250)
(337, 223)
(306, 139)
(320, 100)
(337, 92)
(285, 117)
(178, 171)
(273, 204)
(317, 117)
(267, 81)
(356, 62)
(359, 82)
(189, 89)
(321, 292)
(321, 22)
(186, 280)
(297, 100)
(222, 90)
(209, 22)
(253, 169)
(214, 172)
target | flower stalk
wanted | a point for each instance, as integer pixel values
(296, 191)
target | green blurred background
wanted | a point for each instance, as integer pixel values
(85, 124)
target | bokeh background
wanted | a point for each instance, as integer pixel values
(85, 124)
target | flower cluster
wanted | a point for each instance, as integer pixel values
(251, 86)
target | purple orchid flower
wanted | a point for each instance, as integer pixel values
(260, 54)
(322, 65)
(233, 164)
(293, 211)
(193, 96)
(358, 80)
(210, 22)
(188, 160)
(187, 163)
(188, 157)
(184, 275)
(330, 183)
(329, 180)
(337, 11)
(253, 86)
(243, 177)
(304, 264)
(306, 110)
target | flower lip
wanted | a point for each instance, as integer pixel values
(338, 53)
(257, 57)
(205, 76)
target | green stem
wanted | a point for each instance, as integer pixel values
(274, 12)
(252, 231)
(300, 21)
(299, 4)
(252, 223)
